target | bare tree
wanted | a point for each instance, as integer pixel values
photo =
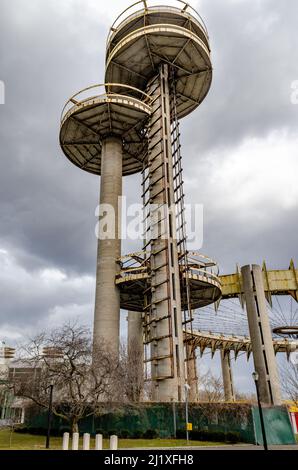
(211, 388)
(212, 402)
(245, 397)
(131, 377)
(289, 381)
(83, 380)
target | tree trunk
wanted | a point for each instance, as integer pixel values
(74, 426)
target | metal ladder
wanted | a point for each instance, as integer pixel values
(190, 351)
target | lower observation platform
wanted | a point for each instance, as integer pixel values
(112, 111)
(134, 279)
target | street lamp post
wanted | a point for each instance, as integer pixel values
(187, 388)
(49, 416)
(174, 419)
(256, 378)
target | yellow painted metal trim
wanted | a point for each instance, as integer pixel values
(276, 282)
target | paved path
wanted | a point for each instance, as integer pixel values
(246, 447)
(223, 447)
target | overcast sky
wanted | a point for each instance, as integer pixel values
(239, 150)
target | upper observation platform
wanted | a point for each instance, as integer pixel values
(146, 35)
(98, 112)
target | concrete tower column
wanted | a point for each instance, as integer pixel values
(135, 349)
(227, 375)
(193, 380)
(260, 333)
(135, 334)
(192, 377)
(107, 297)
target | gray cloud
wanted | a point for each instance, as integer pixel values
(253, 45)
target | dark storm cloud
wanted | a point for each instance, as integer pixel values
(47, 206)
(254, 46)
(254, 51)
(51, 49)
(276, 243)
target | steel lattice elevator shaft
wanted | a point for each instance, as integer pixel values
(163, 315)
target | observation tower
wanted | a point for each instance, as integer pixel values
(158, 70)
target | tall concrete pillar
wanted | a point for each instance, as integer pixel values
(135, 354)
(260, 333)
(135, 334)
(107, 297)
(192, 376)
(227, 375)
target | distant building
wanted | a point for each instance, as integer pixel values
(12, 408)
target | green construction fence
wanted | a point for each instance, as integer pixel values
(164, 418)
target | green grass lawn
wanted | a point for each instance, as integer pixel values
(16, 441)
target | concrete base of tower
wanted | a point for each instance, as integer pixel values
(135, 355)
(165, 391)
(191, 368)
(107, 298)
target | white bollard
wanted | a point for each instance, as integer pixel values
(65, 443)
(98, 442)
(75, 441)
(86, 441)
(113, 443)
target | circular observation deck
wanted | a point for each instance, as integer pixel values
(139, 41)
(134, 279)
(98, 112)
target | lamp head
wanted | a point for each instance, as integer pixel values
(187, 387)
(255, 376)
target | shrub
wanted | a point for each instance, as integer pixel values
(233, 437)
(62, 430)
(38, 431)
(104, 433)
(124, 434)
(137, 434)
(150, 434)
(22, 429)
(214, 436)
(202, 435)
(196, 435)
(180, 434)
